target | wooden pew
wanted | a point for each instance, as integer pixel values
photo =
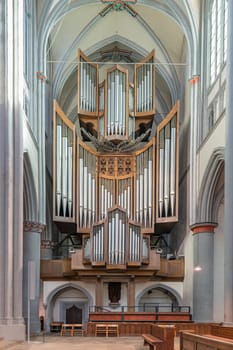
(153, 342)
(210, 342)
(161, 338)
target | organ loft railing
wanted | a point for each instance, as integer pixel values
(112, 181)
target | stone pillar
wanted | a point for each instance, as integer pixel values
(228, 195)
(194, 110)
(131, 294)
(203, 242)
(11, 170)
(31, 250)
(99, 292)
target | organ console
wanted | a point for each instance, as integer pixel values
(115, 182)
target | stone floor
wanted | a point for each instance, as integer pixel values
(49, 342)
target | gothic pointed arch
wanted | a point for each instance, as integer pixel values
(29, 191)
(162, 287)
(211, 190)
(49, 302)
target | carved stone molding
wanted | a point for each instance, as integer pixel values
(32, 226)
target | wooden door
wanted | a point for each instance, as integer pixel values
(73, 315)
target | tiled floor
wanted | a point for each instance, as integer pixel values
(80, 343)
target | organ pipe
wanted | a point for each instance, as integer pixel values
(87, 188)
(161, 173)
(166, 169)
(173, 166)
(59, 167)
(63, 166)
(144, 191)
(144, 83)
(167, 150)
(87, 85)
(98, 243)
(117, 102)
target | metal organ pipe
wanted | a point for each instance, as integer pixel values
(141, 89)
(113, 239)
(141, 189)
(81, 169)
(161, 173)
(112, 102)
(120, 102)
(150, 85)
(137, 91)
(110, 240)
(70, 178)
(59, 167)
(87, 188)
(123, 105)
(137, 190)
(117, 109)
(128, 194)
(89, 199)
(166, 169)
(109, 105)
(145, 175)
(173, 168)
(85, 178)
(64, 169)
(145, 88)
(150, 184)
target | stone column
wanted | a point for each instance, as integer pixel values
(131, 294)
(228, 196)
(31, 250)
(194, 110)
(11, 170)
(203, 242)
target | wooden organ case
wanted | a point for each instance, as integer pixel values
(113, 183)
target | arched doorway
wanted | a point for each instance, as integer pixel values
(69, 304)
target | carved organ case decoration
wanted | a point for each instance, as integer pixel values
(115, 184)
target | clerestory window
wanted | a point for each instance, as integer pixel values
(218, 17)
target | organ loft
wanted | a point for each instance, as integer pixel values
(115, 171)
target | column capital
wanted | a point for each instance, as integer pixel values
(194, 80)
(203, 227)
(32, 226)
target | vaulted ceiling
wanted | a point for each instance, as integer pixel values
(124, 33)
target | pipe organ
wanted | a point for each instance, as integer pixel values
(115, 183)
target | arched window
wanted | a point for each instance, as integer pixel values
(218, 37)
(26, 24)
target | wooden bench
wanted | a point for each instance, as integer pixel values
(160, 338)
(55, 326)
(106, 329)
(72, 329)
(152, 341)
(210, 342)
